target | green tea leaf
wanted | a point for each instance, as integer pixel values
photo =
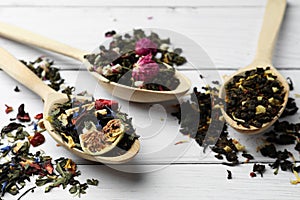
(73, 189)
(94, 182)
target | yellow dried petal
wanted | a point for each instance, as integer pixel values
(259, 98)
(270, 78)
(238, 145)
(260, 109)
(251, 77)
(101, 112)
(64, 119)
(237, 119)
(71, 142)
(227, 149)
(294, 182)
(275, 89)
(49, 119)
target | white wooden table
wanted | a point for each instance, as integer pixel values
(226, 30)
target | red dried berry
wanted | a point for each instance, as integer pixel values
(37, 139)
(101, 103)
(252, 174)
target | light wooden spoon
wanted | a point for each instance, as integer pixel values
(274, 13)
(124, 92)
(21, 73)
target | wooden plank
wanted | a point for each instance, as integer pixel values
(131, 3)
(226, 48)
(179, 182)
(134, 3)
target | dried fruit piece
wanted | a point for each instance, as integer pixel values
(37, 139)
(102, 103)
(97, 142)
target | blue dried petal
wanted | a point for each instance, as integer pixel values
(4, 186)
(75, 114)
(111, 112)
(6, 148)
(37, 160)
(35, 126)
(98, 126)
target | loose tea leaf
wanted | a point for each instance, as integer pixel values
(254, 98)
(229, 174)
(17, 89)
(282, 133)
(259, 168)
(43, 68)
(92, 182)
(290, 82)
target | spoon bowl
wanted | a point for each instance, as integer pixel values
(265, 126)
(274, 13)
(119, 90)
(21, 73)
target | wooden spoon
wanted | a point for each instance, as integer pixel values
(274, 13)
(124, 92)
(21, 73)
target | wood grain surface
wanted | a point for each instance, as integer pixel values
(219, 37)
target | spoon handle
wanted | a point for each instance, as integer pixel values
(21, 73)
(26, 37)
(274, 13)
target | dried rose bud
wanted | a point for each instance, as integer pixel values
(37, 139)
(101, 103)
(145, 46)
(8, 109)
(145, 69)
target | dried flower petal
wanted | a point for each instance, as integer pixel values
(22, 115)
(37, 139)
(294, 182)
(71, 143)
(39, 116)
(102, 103)
(145, 46)
(70, 166)
(8, 109)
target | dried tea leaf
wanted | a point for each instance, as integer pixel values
(94, 182)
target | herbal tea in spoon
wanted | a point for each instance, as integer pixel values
(68, 117)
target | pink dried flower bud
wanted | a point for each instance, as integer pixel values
(145, 69)
(145, 46)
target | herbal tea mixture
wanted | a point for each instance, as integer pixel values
(138, 60)
(44, 69)
(254, 98)
(20, 163)
(93, 126)
(211, 124)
